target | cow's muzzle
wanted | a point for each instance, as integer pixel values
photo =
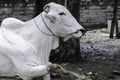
(83, 31)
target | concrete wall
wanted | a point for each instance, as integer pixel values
(92, 12)
(96, 11)
(18, 11)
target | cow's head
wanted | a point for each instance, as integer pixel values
(61, 22)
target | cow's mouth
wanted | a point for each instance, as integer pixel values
(78, 34)
(83, 31)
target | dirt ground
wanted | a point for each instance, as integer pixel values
(101, 57)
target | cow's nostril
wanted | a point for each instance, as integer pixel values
(83, 31)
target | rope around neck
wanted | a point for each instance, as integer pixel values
(45, 26)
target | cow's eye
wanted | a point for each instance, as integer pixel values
(62, 13)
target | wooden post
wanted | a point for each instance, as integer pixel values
(65, 4)
(76, 13)
(114, 20)
(117, 29)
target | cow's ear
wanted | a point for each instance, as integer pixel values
(46, 8)
(51, 14)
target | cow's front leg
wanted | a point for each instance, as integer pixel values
(49, 64)
(46, 77)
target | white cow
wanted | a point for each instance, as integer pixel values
(25, 46)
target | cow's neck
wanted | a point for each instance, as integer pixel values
(41, 42)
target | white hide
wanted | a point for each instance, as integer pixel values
(25, 50)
